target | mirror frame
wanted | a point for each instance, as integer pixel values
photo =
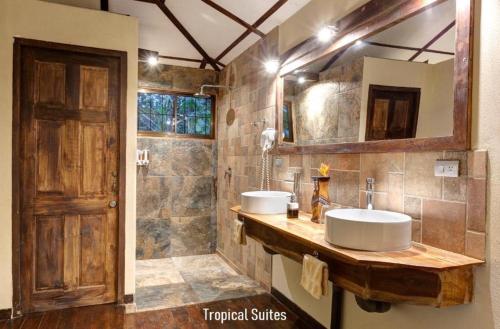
(369, 19)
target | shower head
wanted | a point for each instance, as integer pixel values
(201, 95)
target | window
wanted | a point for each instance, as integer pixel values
(287, 122)
(165, 113)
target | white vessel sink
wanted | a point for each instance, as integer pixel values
(372, 230)
(265, 202)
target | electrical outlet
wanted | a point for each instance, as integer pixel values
(446, 168)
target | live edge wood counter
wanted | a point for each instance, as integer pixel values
(421, 275)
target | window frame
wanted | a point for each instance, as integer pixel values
(291, 127)
(174, 134)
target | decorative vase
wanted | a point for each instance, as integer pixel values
(320, 196)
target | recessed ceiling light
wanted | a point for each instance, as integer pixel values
(272, 66)
(301, 80)
(358, 42)
(325, 34)
(153, 60)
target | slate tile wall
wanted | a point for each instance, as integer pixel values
(176, 206)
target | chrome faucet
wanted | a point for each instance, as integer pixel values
(369, 192)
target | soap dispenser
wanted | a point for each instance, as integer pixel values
(292, 208)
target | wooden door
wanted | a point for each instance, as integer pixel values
(392, 112)
(69, 170)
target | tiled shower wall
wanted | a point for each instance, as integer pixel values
(447, 212)
(176, 206)
(253, 100)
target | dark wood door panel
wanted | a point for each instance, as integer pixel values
(94, 83)
(92, 160)
(50, 84)
(93, 242)
(49, 136)
(48, 252)
(73, 206)
(69, 140)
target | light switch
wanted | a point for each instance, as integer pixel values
(446, 168)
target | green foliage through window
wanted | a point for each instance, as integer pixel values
(173, 113)
(287, 122)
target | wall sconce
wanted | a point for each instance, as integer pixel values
(142, 158)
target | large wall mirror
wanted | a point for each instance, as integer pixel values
(395, 76)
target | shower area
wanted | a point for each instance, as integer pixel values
(176, 228)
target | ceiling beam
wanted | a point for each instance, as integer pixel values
(434, 39)
(105, 5)
(332, 60)
(144, 54)
(184, 59)
(235, 18)
(257, 23)
(187, 59)
(182, 29)
(379, 44)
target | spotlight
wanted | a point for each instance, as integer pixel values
(153, 60)
(301, 80)
(272, 66)
(325, 34)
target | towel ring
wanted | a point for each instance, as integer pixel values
(315, 253)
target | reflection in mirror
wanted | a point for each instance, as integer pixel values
(396, 84)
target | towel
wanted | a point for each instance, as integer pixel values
(239, 235)
(314, 276)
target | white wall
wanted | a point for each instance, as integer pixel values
(435, 116)
(90, 4)
(310, 18)
(58, 23)
(484, 312)
(286, 277)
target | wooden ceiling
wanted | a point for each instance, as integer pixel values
(193, 27)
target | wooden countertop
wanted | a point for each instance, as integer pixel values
(419, 255)
(420, 275)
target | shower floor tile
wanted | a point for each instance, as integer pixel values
(179, 281)
(147, 273)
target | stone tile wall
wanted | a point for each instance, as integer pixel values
(328, 111)
(447, 212)
(176, 206)
(253, 100)
(175, 78)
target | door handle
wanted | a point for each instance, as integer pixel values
(112, 204)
